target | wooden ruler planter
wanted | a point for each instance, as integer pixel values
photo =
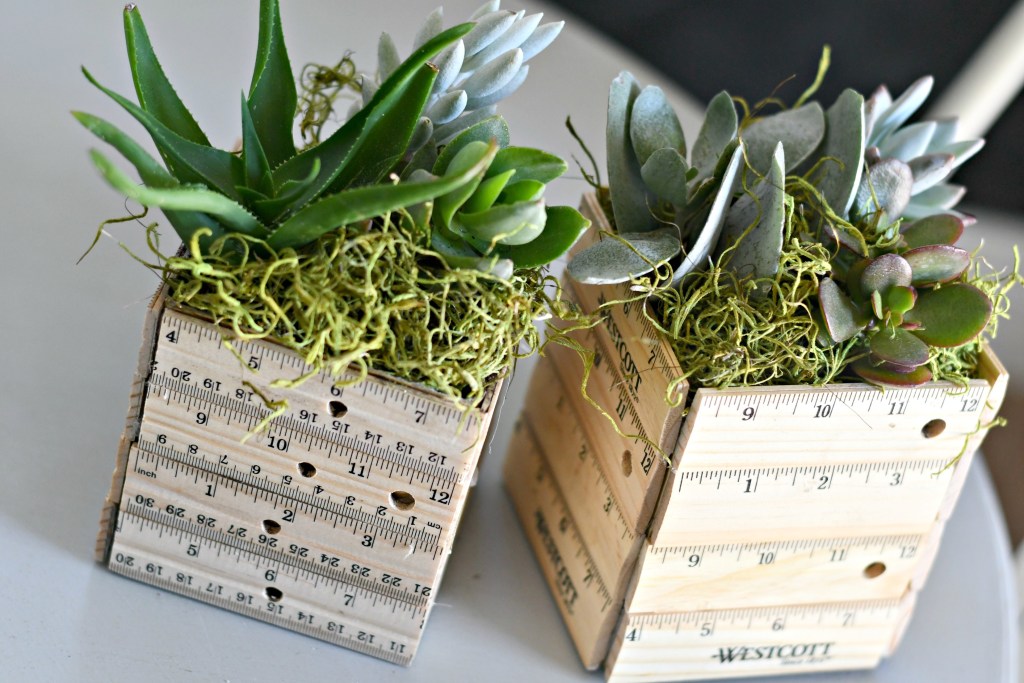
(791, 532)
(335, 521)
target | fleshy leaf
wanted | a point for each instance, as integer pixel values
(522, 191)
(495, 96)
(896, 114)
(844, 148)
(908, 142)
(511, 224)
(899, 300)
(563, 227)
(653, 125)
(487, 192)
(899, 347)
(883, 375)
(509, 40)
(665, 173)
(487, 29)
(950, 315)
(492, 128)
(493, 76)
(929, 170)
(362, 203)
(938, 229)
(800, 131)
(937, 263)
(629, 255)
(717, 131)
(154, 90)
(888, 183)
(629, 195)
(254, 160)
(842, 318)
(272, 97)
(888, 270)
(529, 164)
(448, 203)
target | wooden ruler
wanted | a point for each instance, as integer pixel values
(335, 521)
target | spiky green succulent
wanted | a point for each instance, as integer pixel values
(269, 190)
(855, 176)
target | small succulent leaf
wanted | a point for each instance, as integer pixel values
(843, 320)
(150, 170)
(522, 191)
(448, 107)
(562, 228)
(335, 151)
(449, 66)
(512, 38)
(707, 237)
(491, 128)
(951, 315)
(800, 130)
(446, 242)
(665, 173)
(962, 150)
(888, 183)
(272, 96)
(254, 159)
(155, 92)
(888, 376)
(874, 107)
(421, 134)
(852, 281)
(433, 25)
(653, 125)
(369, 88)
(899, 300)
(498, 267)
(937, 229)
(487, 29)
(937, 263)
(718, 130)
(387, 57)
(944, 196)
(486, 8)
(528, 163)
(902, 108)
(625, 256)
(510, 224)
(541, 39)
(929, 170)
(763, 213)
(900, 347)
(447, 204)
(367, 202)
(487, 193)
(945, 132)
(494, 75)
(443, 135)
(226, 210)
(908, 142)
(501, 93)
(843, 143)
(190, 162)
(630, 198)
(888, 270)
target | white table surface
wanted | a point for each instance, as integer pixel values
(69, 337)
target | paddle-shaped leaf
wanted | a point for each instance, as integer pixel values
(800, 131)
(272, 97)
(887, 374)
(528, 163)
(899, 347)
(888, 270)
(625, 256)
(937, 229)
(665, 173)
(493, 128)
(629, 195)
(937, 263)
(717, 131)
(951, 315)
(842, 318)
(653, 125)
(511, 224)
(886, 187)
(843, 151)
(563, 227)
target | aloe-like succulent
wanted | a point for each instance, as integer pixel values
(475, 73)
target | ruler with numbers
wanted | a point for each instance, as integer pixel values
(335, 520)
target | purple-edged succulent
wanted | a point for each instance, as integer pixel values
(905, 301)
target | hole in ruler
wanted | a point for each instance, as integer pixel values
(934, 428)
(402, 500)
(271, 527)
(874, 570)
(307, 469)
(273, 594)
(627, 463)
(337, 408)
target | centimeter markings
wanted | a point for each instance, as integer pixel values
(211, 479)
(255, 586)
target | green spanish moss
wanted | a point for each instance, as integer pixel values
(321, 87)
(368, 296)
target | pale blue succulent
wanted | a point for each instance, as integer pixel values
(474, 74)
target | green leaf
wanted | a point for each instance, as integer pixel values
(335, 151)
(492, 128)
(800, 130)
(843, 151)
(937, 263)
(888, 375)
(886, 271)
(272, 97)
(625, 256)
(254, 159)
(951, 315)
(447, 204)
(899, 347)
(941, 228)
(717, 131)
(521, 191)
(362, 203)
(272, 208)
(563, 227)
(154, 90)
(885, 187)
(229, 212)
(510, 224)
(842, 318)
(665, 173)
(488, 192)
(189, 162)
(529, 164)
(629, 195)
(653, 125)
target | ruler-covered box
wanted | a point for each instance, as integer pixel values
(790, 533)
(325, 508)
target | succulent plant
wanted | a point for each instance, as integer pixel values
(288, 198)
(474, 73)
